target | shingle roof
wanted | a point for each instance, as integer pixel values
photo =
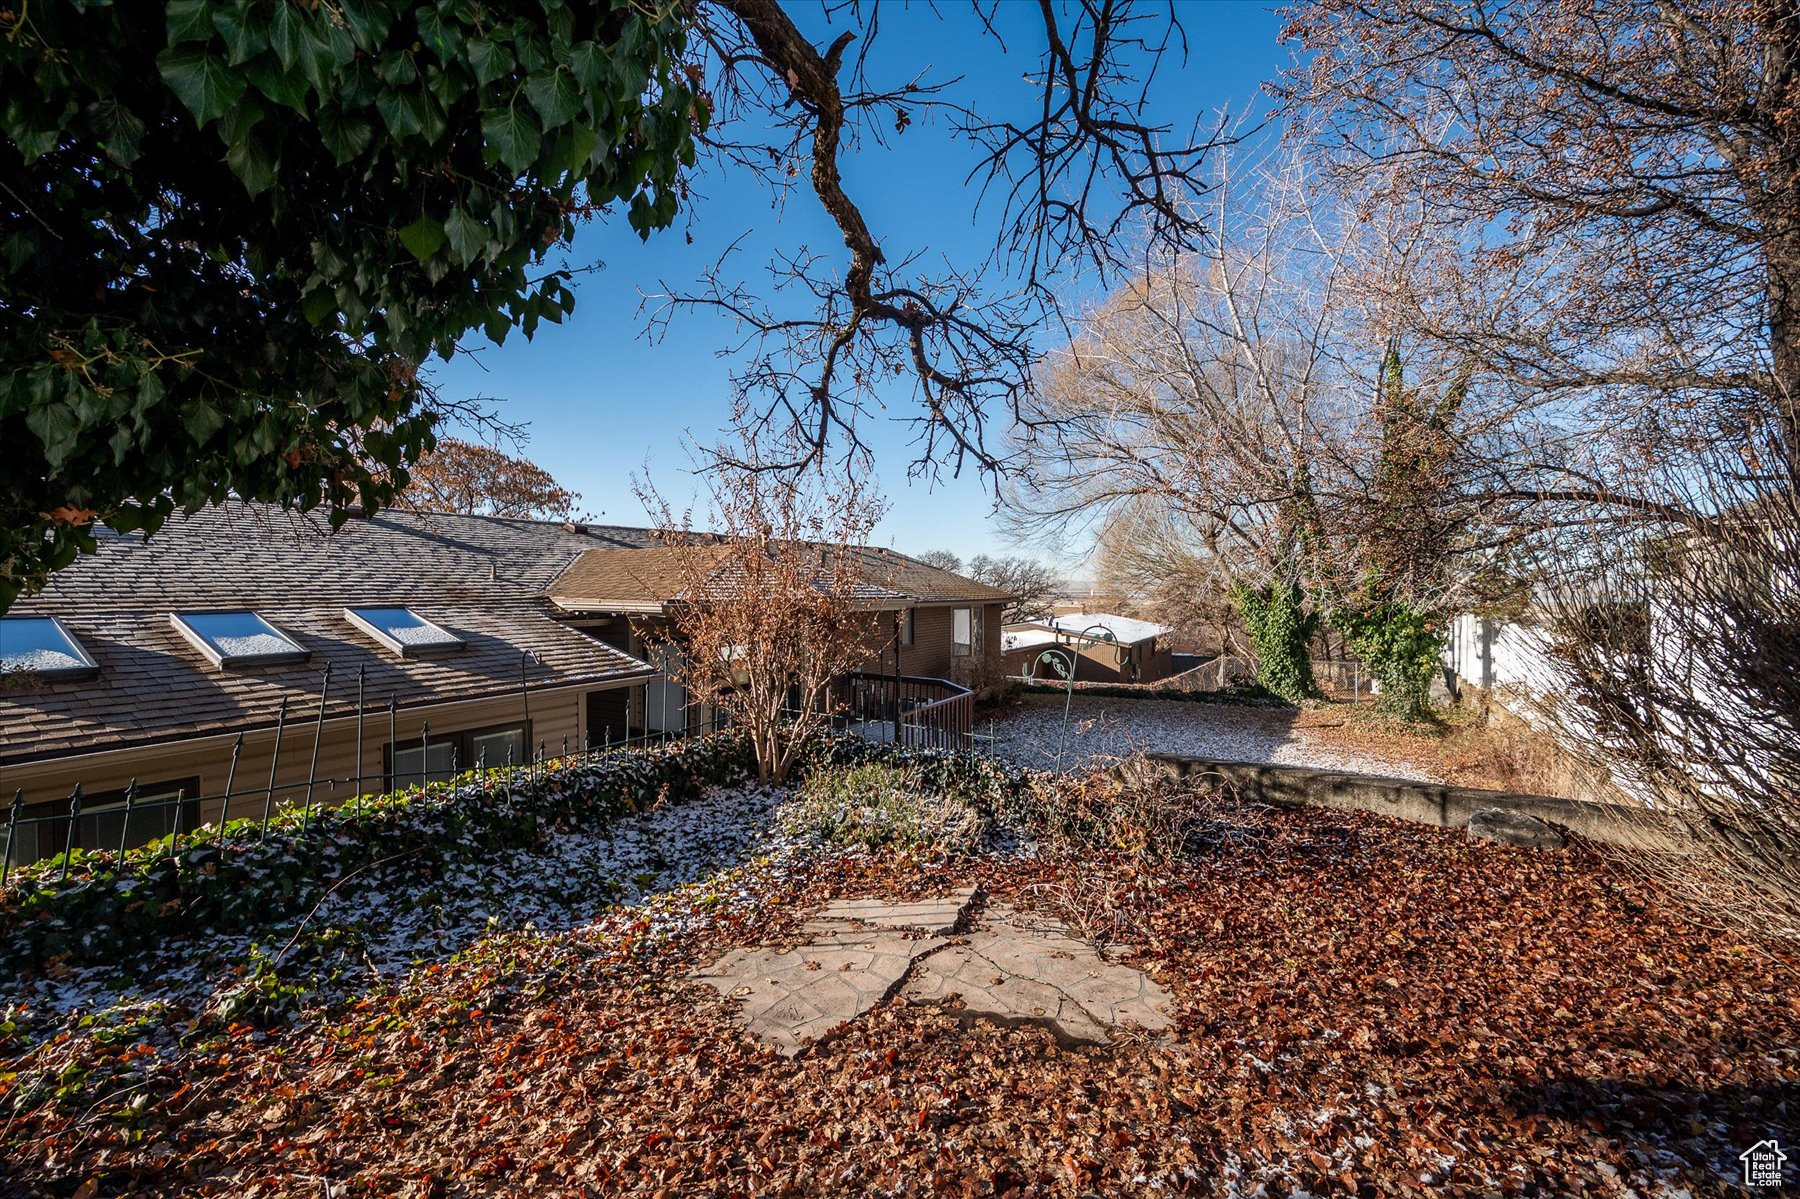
(637, 579)
(482, 578)
(928, 584)
(624, 579)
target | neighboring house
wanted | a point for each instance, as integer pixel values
(1107, 648)
(458, 635)
(924, 622)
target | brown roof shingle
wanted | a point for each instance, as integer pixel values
(645, 579)
(482, 578)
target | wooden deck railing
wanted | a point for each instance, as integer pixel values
(922, 712)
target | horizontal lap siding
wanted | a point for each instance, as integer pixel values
(553, 717)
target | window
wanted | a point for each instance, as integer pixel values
(404, 631)
(449, 754)
(906, 628)
(497, 747)
(233, 639)
(41, 646)
(962, 631)
(158, 810)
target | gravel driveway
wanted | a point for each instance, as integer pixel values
(1102, 730)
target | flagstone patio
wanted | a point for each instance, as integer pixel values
(994, 963)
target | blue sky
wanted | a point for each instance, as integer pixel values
(601, 400)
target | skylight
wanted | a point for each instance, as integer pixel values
(237, 639)
(41, 646)
(404, 631)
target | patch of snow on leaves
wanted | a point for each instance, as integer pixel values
(1105, 730)
(364, 934)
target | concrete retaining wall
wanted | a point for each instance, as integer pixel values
(1422, 803)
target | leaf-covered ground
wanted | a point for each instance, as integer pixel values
(1365, 1007)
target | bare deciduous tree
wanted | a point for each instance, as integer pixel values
(1617, 191)
(943, 560)
(1032, 581)
(1151, 553)
(1612, 228)
(769, 612)
(1090, 165)
(1243, 397)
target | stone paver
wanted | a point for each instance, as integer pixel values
(1010, 968)
(1019, 970)
(937, 916)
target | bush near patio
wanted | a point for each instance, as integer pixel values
(879, 805)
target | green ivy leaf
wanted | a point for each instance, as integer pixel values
(254, 162)
(201, 419)
(513, 135)
(468, 236)
(57, 426)
(202, 82)
(245, 39)
(343, 135)
(188, 21)
(280, 85)
(578, 145)
(424, 237)
(554, 95)
(437, 35)
(589, 62)
(121, 130)
(286, 37)
(400, 112)
(489, 60)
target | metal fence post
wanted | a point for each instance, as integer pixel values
(312, 771)
(424, 752)
(525, 694)
(274, 762)
(175, 835)
(237, 749)
(12, 830)
(125, 831)
(361, 679)
(392, 781)
(74, 820)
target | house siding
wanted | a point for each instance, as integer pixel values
(555, 715)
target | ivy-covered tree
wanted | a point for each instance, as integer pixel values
(1281, 626)
(231, 231)
(1408, 527)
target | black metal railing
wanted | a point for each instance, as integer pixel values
(913, 710)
